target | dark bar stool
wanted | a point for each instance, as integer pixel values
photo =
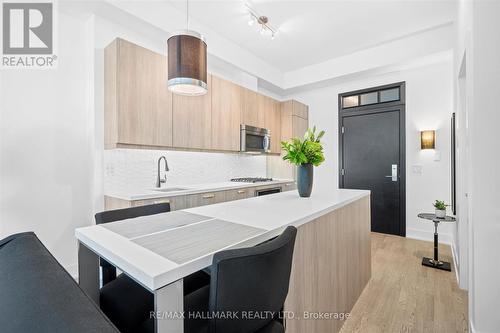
(248, 280)
(108, 270)
(38, 295)
(126, 303)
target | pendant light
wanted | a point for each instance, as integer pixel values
(187, 61)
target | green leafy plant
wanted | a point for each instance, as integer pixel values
(304, 151)
(440, 205)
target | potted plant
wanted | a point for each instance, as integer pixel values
(440, 209)
(305, 153)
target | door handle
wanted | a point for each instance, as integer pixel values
(394, 173)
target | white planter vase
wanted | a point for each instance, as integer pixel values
(440, 213)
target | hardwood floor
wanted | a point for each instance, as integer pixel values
(404, 296)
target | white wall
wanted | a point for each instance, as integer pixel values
(462, 88)
(46, 146)
(429, 105)
(478, 30)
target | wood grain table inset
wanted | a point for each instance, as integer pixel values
(183, 244)
(145, 225)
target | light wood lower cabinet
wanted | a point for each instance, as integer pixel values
(289, 186)
(176, 203)
(238, 194)
(196, 200)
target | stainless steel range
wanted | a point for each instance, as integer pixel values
(252, 180)
(259, 191)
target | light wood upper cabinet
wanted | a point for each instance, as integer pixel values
(140, 111)
(251, 114)
(226, 114)
(300, 121)
(276, 128)
(300, 110)
(192, 119)
(294, 119)
(272, 116)
(300, 126)
(138, 105)
(292, 126)
(264, 110)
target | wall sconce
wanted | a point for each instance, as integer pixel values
(428, 139)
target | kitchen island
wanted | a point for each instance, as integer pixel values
(331, 264)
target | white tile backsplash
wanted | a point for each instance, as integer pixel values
(126, 169)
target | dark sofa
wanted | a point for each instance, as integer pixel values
(38, 295)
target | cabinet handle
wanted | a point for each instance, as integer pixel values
(161, 201)
(242, 191)
(208, 196)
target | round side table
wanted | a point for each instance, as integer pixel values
(435, 262)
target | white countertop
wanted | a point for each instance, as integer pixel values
(144, 194)
(260, 217)
(281, 209)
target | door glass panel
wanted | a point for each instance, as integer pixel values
(389, 95)
(369, 98)
(350, 101)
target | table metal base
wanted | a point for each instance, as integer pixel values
(443, 265)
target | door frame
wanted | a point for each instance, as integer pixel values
(379, 108)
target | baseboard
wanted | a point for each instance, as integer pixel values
(472, 329)
(454, 256)
(425, 235)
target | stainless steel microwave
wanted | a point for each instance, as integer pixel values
(255, 139)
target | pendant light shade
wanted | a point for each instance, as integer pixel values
(187, 63)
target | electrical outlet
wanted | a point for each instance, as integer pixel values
(437, 156)
(417, 169)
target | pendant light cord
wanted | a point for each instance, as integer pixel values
(187, 14)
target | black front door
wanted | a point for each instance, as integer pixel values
(372, 158)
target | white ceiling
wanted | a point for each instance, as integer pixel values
(311, 32)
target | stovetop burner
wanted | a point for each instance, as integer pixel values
(252, 180)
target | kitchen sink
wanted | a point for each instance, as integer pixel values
(170, 189)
